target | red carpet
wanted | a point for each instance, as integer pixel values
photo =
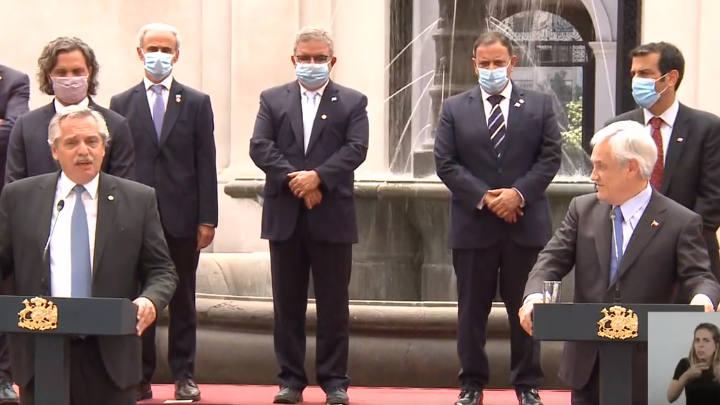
(255, 395)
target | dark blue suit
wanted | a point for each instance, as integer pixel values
(180, 164)
(320, 238)
(483, 243)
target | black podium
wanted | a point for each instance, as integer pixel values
(615, 326)
(52, 322)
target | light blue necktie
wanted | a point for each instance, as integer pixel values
(81, 280)
(158, 108)
(617, 247)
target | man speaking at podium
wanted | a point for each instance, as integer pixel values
(82, 234)
(628, 244)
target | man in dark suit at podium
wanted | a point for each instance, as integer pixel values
(102, 237)
(628, 244)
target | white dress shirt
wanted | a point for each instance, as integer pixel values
(668, 117)
(60, 261)
(310, 101)
(59, 107)
(166, 83)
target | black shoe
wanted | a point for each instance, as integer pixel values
(186, 389)
(529, 397)
(469, 397)
(337, 397)
(8, 396)
(288, 396)
(144, 391)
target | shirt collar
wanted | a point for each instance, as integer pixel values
(166, 83)
(506, 93)
(65, 186)
(59, 107)
(668, 116)
(630, 207)
(319, 91)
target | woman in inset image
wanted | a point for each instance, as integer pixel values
(699, 373)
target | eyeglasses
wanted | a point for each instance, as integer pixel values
(312, 59)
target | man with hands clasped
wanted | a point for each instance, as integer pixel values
(497, 149)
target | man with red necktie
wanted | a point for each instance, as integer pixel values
(688, 140)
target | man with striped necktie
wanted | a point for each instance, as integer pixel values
(497, 149)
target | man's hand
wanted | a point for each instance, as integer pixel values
(492, 196)
(505, 203)
(701, 299)
(303, 182)
(145, 315)
(526, 312)
(205, 236)
(312, 198)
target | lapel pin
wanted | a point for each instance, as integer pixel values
(178, 98)
(0, 77)
(333, 99)
(517, 105)
(323, 117)
(111, 197)
(521, 101)
(654, 224)
(679, 140)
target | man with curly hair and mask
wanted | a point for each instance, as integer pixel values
(68, 70)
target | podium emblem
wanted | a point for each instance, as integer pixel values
(618, 323)
(39, 314)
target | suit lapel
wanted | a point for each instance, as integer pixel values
(143, 110)
(107, 208)
(646, 229)
(294, 110)
(172, 110)
(476, 110)
(638, 115)
(680, 130)
(514, 118)
(45, 202)
(603, 237)
(325, 110)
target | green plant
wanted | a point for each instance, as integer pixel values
(572, 136)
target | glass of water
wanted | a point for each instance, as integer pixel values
(552, 292)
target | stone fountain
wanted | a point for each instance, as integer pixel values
(403, 309)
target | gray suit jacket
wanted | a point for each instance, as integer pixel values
(14, 102)
(660, 255)
(131, 259)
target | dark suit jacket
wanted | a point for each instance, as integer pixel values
(692, 168)
(30, 155)
(14, 102)
(467, 163)
(656, 261)
(181, 166)
(338, 145)
(130, 251)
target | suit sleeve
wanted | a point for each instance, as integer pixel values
(351, 155)
(157, 272)
(533, 184)
(693, 261)
(6, 248)
(122, 152)
(16, 165)
(468, 189)
(558, 257)
(707, 203)
(17, 105)
(206, 165)
(263, 151)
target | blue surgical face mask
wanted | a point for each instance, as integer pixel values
(643, 91)
(158, 64)
(493, 81)
(312, 74)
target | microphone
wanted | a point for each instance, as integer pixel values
(60, 205)
(617, 257)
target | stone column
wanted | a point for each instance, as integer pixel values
(605, 64)
(454, 73)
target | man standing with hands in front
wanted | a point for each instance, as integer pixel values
(497, 149)
(174, 135)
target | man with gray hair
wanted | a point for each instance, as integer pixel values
(627, 243)
(77, 212)
(174, 133)
(310, 135)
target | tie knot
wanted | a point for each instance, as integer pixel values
(618, 213)
(157, 89)
(78, 189)
(656, 122)
(496, 99)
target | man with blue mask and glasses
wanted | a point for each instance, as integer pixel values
(688, 140)
(497, 149)
(310, 135)
(175, 154)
